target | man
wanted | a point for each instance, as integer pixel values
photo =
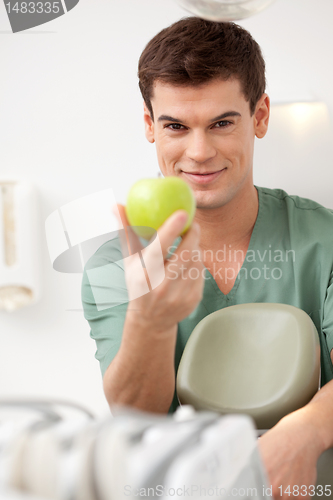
(203, 85)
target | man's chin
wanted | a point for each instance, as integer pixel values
(209, 201)
(213, 205)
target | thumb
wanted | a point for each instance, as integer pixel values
(171, 229)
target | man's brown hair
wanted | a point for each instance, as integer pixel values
(194, 51)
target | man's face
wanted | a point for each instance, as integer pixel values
(207, 129)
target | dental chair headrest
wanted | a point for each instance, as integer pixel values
(259, 359)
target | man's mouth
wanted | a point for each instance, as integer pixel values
(203, 177)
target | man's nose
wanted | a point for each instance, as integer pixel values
(199, 147)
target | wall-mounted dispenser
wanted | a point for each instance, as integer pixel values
(20, 245)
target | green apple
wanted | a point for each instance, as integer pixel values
(151, 201)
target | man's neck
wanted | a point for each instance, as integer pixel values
(231, 224)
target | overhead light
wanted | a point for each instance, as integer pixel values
(224, 10)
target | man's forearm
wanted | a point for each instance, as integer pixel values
(142, 374)
(319, 412)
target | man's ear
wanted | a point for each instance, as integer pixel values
(149, 124)
(261, 116)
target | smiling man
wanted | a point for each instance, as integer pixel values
(203, 85)
(214, 155)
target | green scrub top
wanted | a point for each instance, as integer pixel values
(289, 261)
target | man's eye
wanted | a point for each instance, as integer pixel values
(222, 124)
(174, 126)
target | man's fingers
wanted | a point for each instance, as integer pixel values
(166, 234)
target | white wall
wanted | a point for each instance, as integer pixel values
(71, 123)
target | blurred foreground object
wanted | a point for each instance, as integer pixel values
(224, 10)
(48, 454)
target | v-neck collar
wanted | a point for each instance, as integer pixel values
(210, 281)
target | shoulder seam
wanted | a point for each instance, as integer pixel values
(296, 206)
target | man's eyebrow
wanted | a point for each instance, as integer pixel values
(166, 118)
(217, 118)
(226, 115)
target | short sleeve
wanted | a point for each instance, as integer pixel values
(328, 314)
(105, 300)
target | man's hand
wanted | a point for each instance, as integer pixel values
(181, 290)
(290, 451)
